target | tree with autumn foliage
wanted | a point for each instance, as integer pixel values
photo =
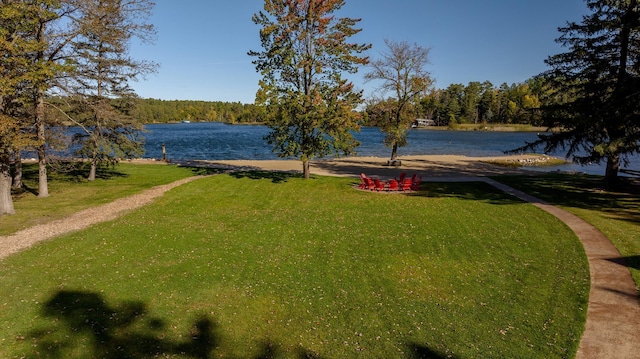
(19, 25)
(403, 77)
(310, 106)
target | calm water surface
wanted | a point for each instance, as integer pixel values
(218, 141)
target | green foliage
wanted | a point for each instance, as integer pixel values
(404, 79)
(478, 103)
(268, 265)
(309, 106)
(594, 87)
(164, 111)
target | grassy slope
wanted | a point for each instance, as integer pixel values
(261, 265)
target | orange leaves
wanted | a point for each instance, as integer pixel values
(305, 54)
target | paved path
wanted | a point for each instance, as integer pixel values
(613, 315)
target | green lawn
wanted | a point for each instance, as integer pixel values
(260, 265)
(616, 213)
(71, 192)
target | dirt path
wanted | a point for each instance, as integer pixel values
(613, 315)
(83, 219)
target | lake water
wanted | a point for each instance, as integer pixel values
(219, 141)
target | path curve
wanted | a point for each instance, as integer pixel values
(613, 314)
(83, 219)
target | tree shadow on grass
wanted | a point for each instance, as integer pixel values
(586, 192)
(83, 321)
(206, 171)
(84, 325)
(472, 191)
(273, 176)
(418, 351)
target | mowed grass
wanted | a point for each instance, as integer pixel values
(71, 192)
(259, 265)
(615, 212)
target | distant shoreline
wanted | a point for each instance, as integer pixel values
(455, 127)
(488, 128)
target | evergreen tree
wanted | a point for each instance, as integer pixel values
(20, 22)
(597, 102)
(99, 83)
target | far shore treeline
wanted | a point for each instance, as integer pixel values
(474, 103)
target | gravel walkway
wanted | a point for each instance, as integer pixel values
(613, 315)
(83, 219)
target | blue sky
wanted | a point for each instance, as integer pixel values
(202, 45)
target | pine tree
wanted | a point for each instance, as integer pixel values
(20, 24)
(597, 101)
(99, 86)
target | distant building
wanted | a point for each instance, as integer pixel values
(421, 122)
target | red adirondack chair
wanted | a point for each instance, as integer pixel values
(379, 185)
(370, 185)
(416, 183)
(392, 185)
(363, 181)
(406, 184)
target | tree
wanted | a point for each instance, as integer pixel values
(19, 24)
(309, 106)
(596, 87)
(487, 102)
(98, 84)
(471, 100)
(403, 75)
(51, 34)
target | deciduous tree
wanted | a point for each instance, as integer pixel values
(404, 77)
(310, 106)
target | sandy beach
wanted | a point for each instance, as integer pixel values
(431, 166)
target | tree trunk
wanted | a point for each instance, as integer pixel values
(306, 172)
(43, 187)
(394, 151)
(6, 202)
(611, 173)
(17, 176)
(92, 171)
